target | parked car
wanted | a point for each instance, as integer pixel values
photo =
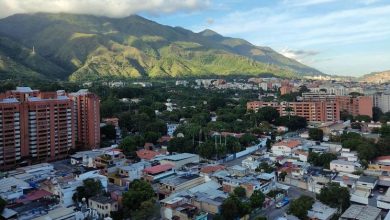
(283, 203)
(381, 190)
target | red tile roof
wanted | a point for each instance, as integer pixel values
(164, 139)
(382, 158)
(289, 143)
(147, 154)
(35, 195)
(158, 168)
(211, 169)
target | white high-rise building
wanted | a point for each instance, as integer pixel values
(382, 101)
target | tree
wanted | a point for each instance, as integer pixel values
(316, 134)
(257, 199)
(385, 131)
(345, 116)
(282, 175)
(303, 89)
(322, 160)
(233, 208)
(130, 144)
(265, 167)
(240, 192)
(366, 151)
(230, 209)
(292, 122)
(289, 110)
(3, 203)
(108, 132)
(152, 137)
(365, 118)
(137, 196)
(247, 139)
(90, 187)
(335, 196)
(376, 113)
(268, 114)
(145, 210)
(300, 207)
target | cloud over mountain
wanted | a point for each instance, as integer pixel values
(111, 8)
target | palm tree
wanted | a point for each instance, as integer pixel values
(289, 110)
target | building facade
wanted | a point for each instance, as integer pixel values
(312, 111)
(37, 126)
(87, 119)
(382, 101)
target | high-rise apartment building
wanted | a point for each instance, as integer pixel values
(360, 105)
(40, 126)
(382, 101)
(312, 111)
(87, 119)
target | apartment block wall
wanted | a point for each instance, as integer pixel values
(40, 126)
(312, 111)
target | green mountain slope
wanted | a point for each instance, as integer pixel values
(84, 47)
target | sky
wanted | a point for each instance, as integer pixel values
(343, 37)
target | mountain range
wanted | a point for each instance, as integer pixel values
(376, 77)
(85, 47)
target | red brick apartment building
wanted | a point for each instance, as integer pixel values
(312, 111)
(39, 126)
(87, 119)
(320, 107)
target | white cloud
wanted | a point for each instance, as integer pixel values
(111, 8)
(298, 55)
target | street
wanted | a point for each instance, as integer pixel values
(293, 193)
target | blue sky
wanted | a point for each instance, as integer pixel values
(344, 37)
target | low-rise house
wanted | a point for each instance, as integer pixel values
(320, 211)
(85, 158)
(109, 159)
(383, 201)
(250, 163)
(210, 169)
(360, 212)
(147, 154)
(368, 182)
(238, 170)
(346, 180)
(206, 197)
(128, 173)
(381, 163)
(103, 205)
(155, 173)
(285, 147)
(12, 188)
(343, 166)
(178, 183)
(349, 155)
(301, 155)
(67, 187)
(179, 160)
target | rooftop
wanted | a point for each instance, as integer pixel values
(146, 154)
(102, 199)
(288, 143)
(361, 212)
(211, 169)
(321, 211)
(343, 162)
(177, 180)
(368, 179)
(177, 157)
(158, 168)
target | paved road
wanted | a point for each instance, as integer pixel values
(293, 193)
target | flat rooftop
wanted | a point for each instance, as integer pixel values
(361, 212)
(178, 180)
